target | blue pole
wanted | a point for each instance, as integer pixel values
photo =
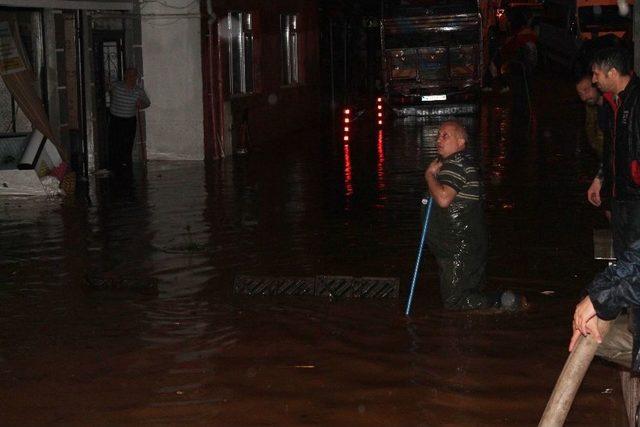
(425, 226)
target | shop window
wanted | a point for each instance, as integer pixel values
(12, 119)
(289, 40)
(241, 51)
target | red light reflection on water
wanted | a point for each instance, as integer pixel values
(380, 165)
(348, 185)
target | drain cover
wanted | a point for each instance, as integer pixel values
(251, 285)
(324, 286)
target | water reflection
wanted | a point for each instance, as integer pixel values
(497, 143)
(380, 172)
(348, 173)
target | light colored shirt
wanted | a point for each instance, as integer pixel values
(123, 99)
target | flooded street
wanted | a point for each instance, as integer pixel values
(119, 310)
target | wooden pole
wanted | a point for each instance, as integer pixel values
(570, 379)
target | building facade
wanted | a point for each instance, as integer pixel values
(223, 76)
(266, 57)
(75, 48)
(228, 75)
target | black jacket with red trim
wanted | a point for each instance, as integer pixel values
(621, 154)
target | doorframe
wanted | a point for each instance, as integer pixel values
(99, 38)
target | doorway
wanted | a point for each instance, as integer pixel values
(108, 50)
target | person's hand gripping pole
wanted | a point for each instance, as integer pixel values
(589, 331)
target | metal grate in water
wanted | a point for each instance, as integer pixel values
(267, 286)
(324, 286)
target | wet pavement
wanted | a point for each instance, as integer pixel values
(119, 310)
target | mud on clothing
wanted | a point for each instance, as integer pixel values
(458, 238)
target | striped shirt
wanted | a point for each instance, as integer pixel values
(460, 172)
(123, 99)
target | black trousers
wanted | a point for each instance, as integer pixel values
(625, 224)
(122, 133)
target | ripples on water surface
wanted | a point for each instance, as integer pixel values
(191, 353)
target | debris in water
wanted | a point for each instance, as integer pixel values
(508, 300)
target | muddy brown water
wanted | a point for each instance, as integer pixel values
(173, 346)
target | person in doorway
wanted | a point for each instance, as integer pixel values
(457, 232)
(127, 99)
(620, 172)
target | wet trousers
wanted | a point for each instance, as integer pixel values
(458, 239)
(617, 346)
(122, 133)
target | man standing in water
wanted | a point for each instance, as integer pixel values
(457, 233)
(127, 98)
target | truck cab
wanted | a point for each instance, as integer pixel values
(432, 56)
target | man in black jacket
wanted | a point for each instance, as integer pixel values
(620, 174)
(618, 287)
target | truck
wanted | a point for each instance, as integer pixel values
(432, 57)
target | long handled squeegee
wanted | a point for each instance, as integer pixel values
(425, 226)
